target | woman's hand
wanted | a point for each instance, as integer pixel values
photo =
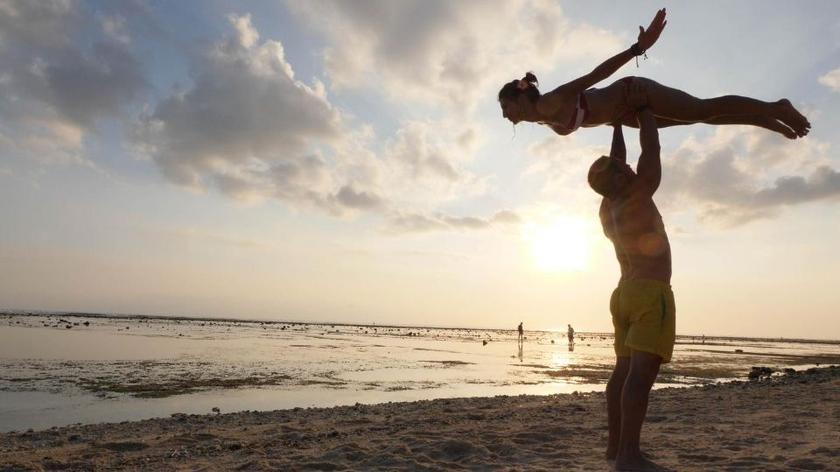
(647, 37)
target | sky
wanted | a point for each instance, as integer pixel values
(348, 162)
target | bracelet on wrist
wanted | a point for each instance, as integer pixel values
(636, 51)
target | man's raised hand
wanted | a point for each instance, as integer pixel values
(637, 96)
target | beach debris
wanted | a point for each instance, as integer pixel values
(216, 410)
(484, 342)
(739, 351)
(757, 373)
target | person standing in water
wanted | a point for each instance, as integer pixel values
(521, 333)
(570, 333)
(642, 306)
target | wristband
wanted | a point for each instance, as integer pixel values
(636, 51)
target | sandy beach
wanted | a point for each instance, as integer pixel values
(787, 422)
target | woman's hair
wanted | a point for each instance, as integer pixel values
(526, 85)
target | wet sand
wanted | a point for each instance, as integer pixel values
(788, 422)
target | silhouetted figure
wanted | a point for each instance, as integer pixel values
(642, 306)
(570, 333)
(521, 333)
(578, 103)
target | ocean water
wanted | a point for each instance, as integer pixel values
(59, 369)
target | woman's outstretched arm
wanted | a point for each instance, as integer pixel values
(647, 38)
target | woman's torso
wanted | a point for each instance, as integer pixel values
(593, 107)
(605, 104)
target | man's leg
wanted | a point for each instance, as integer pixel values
(634, 400)
(614, 386)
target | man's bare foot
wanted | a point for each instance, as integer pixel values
(640, 464)
(791, 117)
(612, 455)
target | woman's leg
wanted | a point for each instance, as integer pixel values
(752, 120)
(680, 106)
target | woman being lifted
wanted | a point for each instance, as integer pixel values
(576, 104)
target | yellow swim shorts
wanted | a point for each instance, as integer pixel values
(644, 318)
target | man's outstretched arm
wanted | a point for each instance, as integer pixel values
(618, 150)
(649, 169)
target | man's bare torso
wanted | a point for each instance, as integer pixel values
(635, 227)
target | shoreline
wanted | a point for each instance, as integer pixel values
(134, 317)
(786, 422)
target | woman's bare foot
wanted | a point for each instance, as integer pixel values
(777, 126)
(791, 117)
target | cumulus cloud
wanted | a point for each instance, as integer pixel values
(440, 52)
(831, 80)
(250, 128)
(732, 177)
(115, 28)
(246, 123)
(55, 85)
(737, 176)
(43, 25)
(427, 161)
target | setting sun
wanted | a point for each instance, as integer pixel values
(558, 246)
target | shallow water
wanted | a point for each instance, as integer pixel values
(116, 369)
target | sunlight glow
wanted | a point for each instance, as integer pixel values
(560, 246)
(560, 360)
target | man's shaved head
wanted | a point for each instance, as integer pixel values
(600, 176)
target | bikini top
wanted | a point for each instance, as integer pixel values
(579, 115)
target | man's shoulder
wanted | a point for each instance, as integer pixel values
(639, 192)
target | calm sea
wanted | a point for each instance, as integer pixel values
(58, 369)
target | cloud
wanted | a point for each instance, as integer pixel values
(831, 80)
(352, 198)
(427, 161)
(250, 128)
(42, 25)
(737, 176)
(437, 52)
(246, 123)
(115, 28)
(402, 223)
(562, 163)
(822, 183)
(57, 83)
